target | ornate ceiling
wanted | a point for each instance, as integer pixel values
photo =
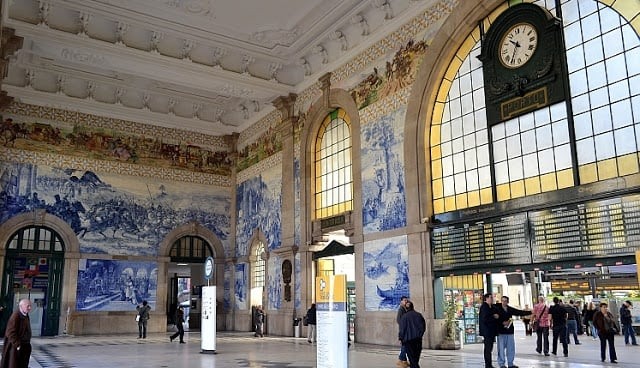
(211, 66)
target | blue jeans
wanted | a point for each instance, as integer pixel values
(627, 329)
(594, 330)
(403, 353)
(506, 344)
(572, 329)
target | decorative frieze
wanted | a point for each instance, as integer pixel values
(383, 107)
(61, 161)
(271, 161)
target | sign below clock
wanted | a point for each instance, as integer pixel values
(523, 62)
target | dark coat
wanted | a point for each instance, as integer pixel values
(17, 335)
(412, 326)
(488, 325)
(604, 324)
(143, 311)
(311, 316)
(505, 315)
(625, 315)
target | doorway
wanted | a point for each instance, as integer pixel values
(33, 270)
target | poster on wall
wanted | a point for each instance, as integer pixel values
(331, 321)
(208, 326)
(115, 285)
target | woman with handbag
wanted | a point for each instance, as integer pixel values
(607, 330)
(540, 325)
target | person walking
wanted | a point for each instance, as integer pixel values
(541, 326)
(311, 323)
(179, 325)
(142, 318)
(588, 320)
(17, 338)
(626, 322)
(402, 357)
(572, 323)
(412, 328)
(606, 325)
(559, 326)
(259, 320)
(488, 327)
(506, 341)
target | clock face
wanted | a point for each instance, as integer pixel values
(518, 45)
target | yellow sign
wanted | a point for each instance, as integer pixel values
(331, 289)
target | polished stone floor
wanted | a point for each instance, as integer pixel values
(243, 350)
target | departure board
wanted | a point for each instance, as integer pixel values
(587, 230)
(491, 242)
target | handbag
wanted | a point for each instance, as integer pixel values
(305, 322)
(138, 318)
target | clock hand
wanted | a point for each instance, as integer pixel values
(513, 56)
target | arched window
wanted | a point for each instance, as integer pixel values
(258, 266)
(333, 189)
(190, 249)
(531, 153)
(36, 239)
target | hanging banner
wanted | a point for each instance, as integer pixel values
(208, 320)
(331, 321)
(638, 265)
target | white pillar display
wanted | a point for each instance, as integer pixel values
(208, 325)
(331, 321)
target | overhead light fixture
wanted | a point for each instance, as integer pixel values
(183, 264)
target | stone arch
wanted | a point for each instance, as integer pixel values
(338, 98)
(193, 228)
(40, 218)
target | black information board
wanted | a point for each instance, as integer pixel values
(588, 230)
(492, 242)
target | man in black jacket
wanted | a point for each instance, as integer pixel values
(626, 321)
(488, 326)
(558, 315)
(506, 341)
(412, 327)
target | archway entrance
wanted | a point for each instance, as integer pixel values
(187, 259)
(33, 270)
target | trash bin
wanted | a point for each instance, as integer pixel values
(296, 327)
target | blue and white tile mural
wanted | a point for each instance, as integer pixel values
(297, 285)
(113, 214)
(115, 285)
(226, 292)
(386, 273)
(259, 207)
(241, 290)
(274, 282)
(382, 153)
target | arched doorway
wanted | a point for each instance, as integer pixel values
(33, 270)
(188, 254)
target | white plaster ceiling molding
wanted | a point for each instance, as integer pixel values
(212, 66)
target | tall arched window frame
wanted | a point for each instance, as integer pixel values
(333, 189)
(531, 153)
(258, 266)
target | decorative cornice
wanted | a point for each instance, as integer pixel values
(61, 161)
(271, 161)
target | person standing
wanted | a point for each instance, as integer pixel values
(143, 317)
(17, 338)
(412, 328)
(572, 323)
(402, 357)
(559, 326)
(311, 323)
(588, 320)
(506, 341)
(541, 321)
(259, 318)
(626, 322)
(488, 327)
(605, 323)
(179, 325)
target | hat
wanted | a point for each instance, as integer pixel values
(629, 302)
